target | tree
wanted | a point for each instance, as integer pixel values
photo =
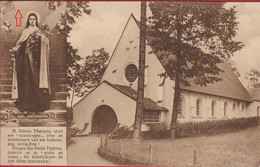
(73, 68)
(193, 37)
(140, 87)
(74, 9)
(232, 65)
(253, 78)
(90, 75)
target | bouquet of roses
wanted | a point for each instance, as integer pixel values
(33, 41)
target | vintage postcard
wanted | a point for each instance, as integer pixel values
(156, 83)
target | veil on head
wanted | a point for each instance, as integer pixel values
(36, 13)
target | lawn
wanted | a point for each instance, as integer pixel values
(232, 149)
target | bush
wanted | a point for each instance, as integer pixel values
(157, 130)
(71, 132)
(208, 128)
(121, 132)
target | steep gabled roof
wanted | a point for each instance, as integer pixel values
(229, 86)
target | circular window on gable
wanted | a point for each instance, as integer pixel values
(131, 73)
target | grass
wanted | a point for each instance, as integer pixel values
(232, 149)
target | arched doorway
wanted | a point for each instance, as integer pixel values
(104, 120)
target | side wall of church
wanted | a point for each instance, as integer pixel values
(224, 108)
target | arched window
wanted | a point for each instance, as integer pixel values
(258, 111)
(181, 106)
(234, 106)
(160, 92)
(198, 107)
(238, 106)
(131, 73)
(225, 108)
(213, 107)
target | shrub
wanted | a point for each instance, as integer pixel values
(121, 132)
(71, 132)
(208, 128)
(215, 127)
(157, 130)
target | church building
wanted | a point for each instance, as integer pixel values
(114, 100)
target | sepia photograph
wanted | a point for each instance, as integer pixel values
(33, 65)
(143, 83)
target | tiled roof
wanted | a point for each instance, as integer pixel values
(229, 86)
(255, 93)
(149, 104)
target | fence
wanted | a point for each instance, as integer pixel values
(124, 154)
(239, 149)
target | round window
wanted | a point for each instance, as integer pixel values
(131, 73)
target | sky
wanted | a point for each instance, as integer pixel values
(103, 28)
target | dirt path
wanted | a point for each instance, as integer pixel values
(83, 152)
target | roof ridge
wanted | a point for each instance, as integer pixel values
(137, 22)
